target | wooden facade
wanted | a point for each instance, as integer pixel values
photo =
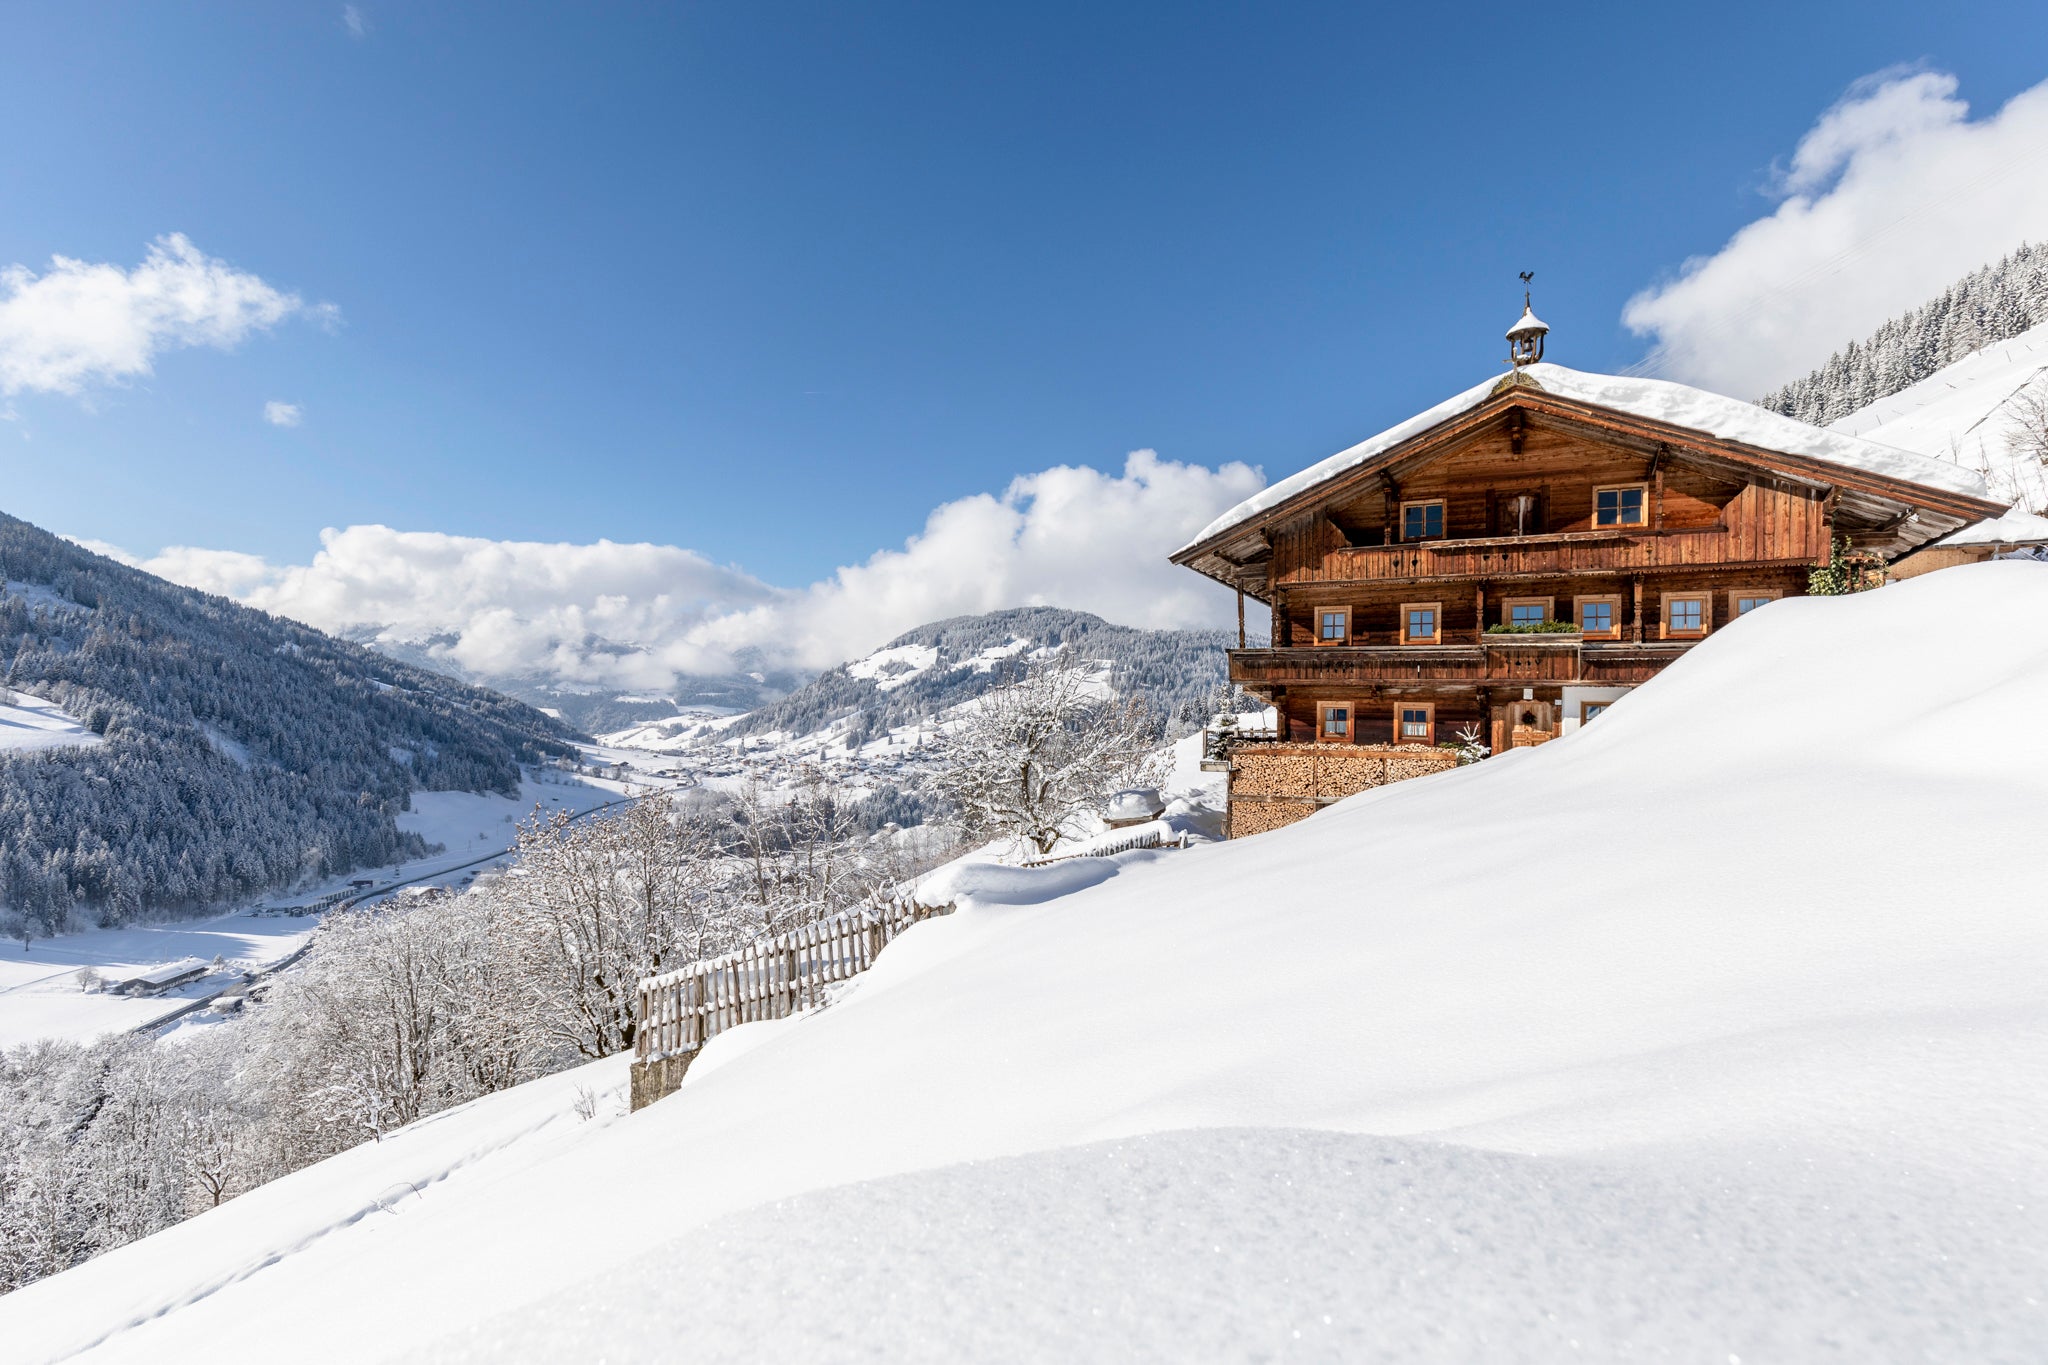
(1613, 542)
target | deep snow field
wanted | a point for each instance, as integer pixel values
(1714, 1032)
(29, 722)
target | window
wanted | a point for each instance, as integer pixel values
(1526, 611)
(1618, 506)
(1600, 617)
(1685, 613)
(1590, 709)
(1333, 626)
(1743, 601)
(1420, 622)
(1415, 723)
(1333, 721)
(1422, 520)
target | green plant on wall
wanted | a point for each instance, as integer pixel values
(1845, 572)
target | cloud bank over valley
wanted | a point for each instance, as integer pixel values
(642, 617)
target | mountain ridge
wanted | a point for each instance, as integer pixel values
(240, 750)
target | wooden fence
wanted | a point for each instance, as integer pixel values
(773, 978)
(1151, 838)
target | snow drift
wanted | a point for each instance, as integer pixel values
(1714, 1031)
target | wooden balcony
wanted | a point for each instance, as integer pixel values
(1499, 660)
(1508, 557)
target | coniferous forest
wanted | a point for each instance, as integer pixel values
(241, 752)
(1986, 306)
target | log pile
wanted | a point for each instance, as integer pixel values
(1272, 785)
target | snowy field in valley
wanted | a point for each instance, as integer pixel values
(476, 824)
(41, 995)
(29, 722)
(40, 992)
(1712, 1032)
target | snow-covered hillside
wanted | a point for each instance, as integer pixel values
(1712, 1032)
(30, 722)
(1970, 413)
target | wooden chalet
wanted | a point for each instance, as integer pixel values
(1511, 562)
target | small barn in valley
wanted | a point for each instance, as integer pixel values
(1504, 566)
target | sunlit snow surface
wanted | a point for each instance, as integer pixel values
(29, 723)
(1713, 1031)
(1959, 412)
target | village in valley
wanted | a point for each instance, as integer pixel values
(1551, 880)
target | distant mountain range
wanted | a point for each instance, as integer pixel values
(1180, 674)
(236, 751)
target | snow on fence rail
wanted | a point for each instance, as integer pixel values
(1151, 838)
(773, 978)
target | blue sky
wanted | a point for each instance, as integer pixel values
(770, 282)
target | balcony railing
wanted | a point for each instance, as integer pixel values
(1494, 659)
(1570, 552)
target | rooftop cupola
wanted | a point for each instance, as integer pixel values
(1525, 338)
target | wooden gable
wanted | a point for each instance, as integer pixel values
(1527, 444)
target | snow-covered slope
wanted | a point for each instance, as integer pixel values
(29, 722)
(1714, 1031)
(1966, 413)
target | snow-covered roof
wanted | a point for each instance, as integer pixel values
(1528, 322)
(2014, 528)
(1657, 400)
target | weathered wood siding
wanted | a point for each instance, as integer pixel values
(1694, 517)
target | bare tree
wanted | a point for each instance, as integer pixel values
(802, 855)
(597, 906)
(2026, 440)
(1031, 759)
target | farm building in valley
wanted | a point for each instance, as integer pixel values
(1509, 563)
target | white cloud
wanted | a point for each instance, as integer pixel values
(80, 323)
(1068, 536)
(640, 616)
(352, 19)
(282, 414)
(1890, 197)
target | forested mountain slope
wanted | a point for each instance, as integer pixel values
(1987, 411)
(1993, 304)
(938, 666)
(241, 751)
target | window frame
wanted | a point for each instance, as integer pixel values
(1735, 596)
(1612, 599)
(1435, 607)
(1428, 708)
(1350, 710)
(1706, 601)
(1598, 709)
(1508, 605)
(1321, 612)
(1443, 519)
(1642, 488)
